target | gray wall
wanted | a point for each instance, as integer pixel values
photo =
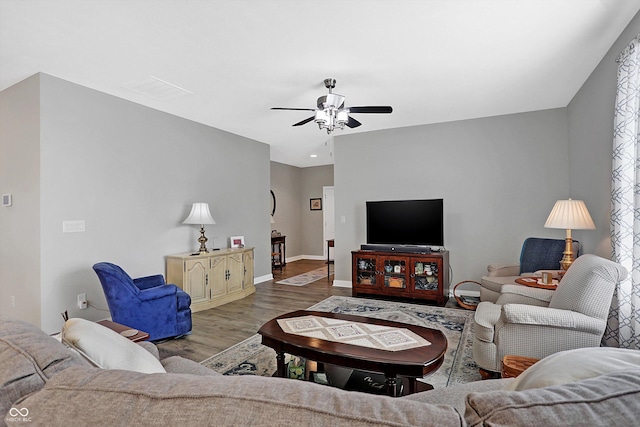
(293, 188)
(286, 183)
(20, 223)
(131, 173)
(499, 178)
(509, 182)
(591, 142)
(313, 179)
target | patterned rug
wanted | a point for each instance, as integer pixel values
(250, 357)
(305, 278)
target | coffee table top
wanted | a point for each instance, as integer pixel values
(415, 362)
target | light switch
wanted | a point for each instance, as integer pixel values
(73, 226)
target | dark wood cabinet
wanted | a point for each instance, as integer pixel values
(404, 275)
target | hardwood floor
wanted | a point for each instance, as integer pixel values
(219, 328)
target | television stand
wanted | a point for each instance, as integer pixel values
(423, 276)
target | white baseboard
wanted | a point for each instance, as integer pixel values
(261, 279)
(342, 283)
(299, 257)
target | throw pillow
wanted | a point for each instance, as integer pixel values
(575, 365)
(108, 349)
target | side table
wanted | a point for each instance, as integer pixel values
(278, 252)
(330, 244)
(139, 336)
(512, 366)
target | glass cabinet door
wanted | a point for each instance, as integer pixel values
(366, 270)
(426, 276)
(394, 271)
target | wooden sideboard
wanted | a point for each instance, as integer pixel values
(212, 278)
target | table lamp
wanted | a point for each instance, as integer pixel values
(200, 215)
(570, 215)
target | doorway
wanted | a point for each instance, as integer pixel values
(328, 219)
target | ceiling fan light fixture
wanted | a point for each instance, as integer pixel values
(321, 118)
(331, 113)
(342, 118)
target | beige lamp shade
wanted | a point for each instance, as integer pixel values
(570, 214)
(199, 214)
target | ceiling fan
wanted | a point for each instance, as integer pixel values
(331, 112)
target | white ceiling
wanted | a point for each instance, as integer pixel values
(432, 60)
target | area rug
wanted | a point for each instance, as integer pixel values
(250, 357)
(305, 278)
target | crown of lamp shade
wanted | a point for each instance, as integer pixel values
(200, 214)
(570, 215)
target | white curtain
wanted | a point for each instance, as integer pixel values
(623, 329)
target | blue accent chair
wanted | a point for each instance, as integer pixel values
(147, 303)
(537, 254)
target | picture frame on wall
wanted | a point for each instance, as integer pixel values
(315, 204)
(237, 241)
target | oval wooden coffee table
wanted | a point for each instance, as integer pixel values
(413, 363)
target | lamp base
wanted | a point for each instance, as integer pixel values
(568, 257)
(203, 240)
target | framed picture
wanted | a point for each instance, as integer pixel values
(237, 241)
(315, 204)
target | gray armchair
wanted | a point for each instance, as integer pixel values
(536, 323)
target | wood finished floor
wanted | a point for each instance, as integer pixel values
(219, 328)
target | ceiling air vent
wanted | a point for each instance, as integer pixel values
(157, 89)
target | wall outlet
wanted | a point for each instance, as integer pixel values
(13, 301)
(82, 301)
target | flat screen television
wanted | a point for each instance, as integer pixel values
(406, 222)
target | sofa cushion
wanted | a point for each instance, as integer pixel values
(456, 395)
(605, 400)
(108, 349)
(28, 358)
(97, 397)
(574, 365)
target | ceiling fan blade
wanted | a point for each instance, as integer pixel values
(378, 109)
(305, 121)
(293, 109)
(353, 123)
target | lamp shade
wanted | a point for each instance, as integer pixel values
(199, 214)
(571, 215)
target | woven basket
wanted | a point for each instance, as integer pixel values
(512, 366)
(461, 302)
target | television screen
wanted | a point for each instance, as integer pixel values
(406, 222)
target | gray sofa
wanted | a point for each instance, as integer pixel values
(43, 382)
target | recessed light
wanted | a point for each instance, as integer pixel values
(314, 155)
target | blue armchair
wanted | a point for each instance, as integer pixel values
(537, 254)
(147, 303)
